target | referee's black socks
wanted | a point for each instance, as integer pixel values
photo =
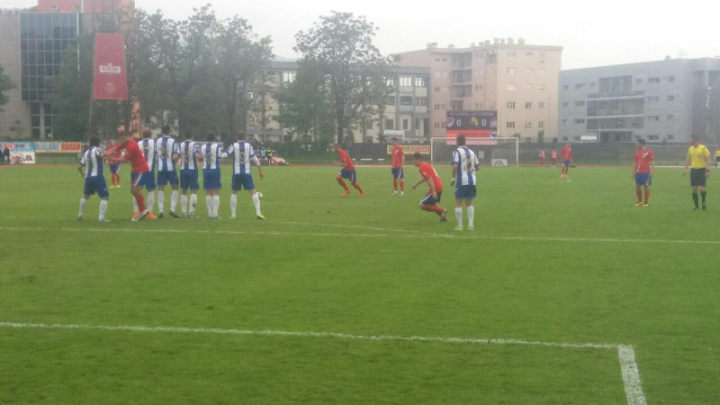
(703, 194)
(695, 199)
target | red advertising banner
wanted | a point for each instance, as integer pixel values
(110, 75)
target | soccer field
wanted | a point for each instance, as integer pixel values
(363, 300)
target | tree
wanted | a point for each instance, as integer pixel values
(342, 45)
(5, 85)
(304, 106)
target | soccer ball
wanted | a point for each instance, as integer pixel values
(259, 195)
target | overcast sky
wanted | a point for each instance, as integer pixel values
(592, 33)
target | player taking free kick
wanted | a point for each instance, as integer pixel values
(134, 155)
(347, 172)
(429, 175)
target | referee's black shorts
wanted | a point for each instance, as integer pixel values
(698, 177)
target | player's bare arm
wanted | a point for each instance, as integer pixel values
(454, 174)
(421, 181)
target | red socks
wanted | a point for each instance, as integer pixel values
(141, 202)
(357, 187)
(433, 208)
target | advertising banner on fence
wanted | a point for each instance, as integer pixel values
(58, 147)
(472, 124)
(110, 75)
(21, 153)
(410, 149)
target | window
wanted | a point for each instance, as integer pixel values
(541, 87)
(653, 137)
(389, 124)
(565, 104)
(541, 124)
(510, 105)
(565, 87)
(443, 107)
(511, 70)
(528, 125)
(579, 120)
(528, 53)
(406, 100)
(579, 86)
(654, 80)
(671, 98)
(528, 105)
(369, 123)
(638, 81)
(511, 54)
(289, 77)
(565, 121)
(653, 118)
(541, 105)
(510, 124)
(437, 89)
(437, 107)
(405, 81)
(421, 101)
(670, 137)
(390, 82)
(671, 79)
(580, 103)
(670, 117)
(420, 82)
(653, 99)
(406, 124)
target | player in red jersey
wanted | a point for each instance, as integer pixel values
(114, 168)
(430, 176)
(553, 155)
(567, 157)
(398, 158)
(643, 171)
(347, 172)
(542, 157)
(139, 165)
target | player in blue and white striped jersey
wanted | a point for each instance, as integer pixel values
(210, 153)
(168, 152)
(189, 153)
(465, 163)
(92, 163)
(147, 179)
(243, 158)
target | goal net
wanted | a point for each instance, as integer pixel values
(497, 152)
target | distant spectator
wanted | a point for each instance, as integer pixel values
(6, 155)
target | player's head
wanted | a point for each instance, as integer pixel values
(112, 142)
(460, 140)
(694, 140)
(211, 137)
(417, 158)
(640, 143)
(241, 136)
(336, 147)
(165, 130)
(94, 141)
(147, 133)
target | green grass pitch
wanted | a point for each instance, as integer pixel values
(551, 261)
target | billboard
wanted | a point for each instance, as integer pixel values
(21, 153)
(110, 80)
(472, 124)
(58, 147)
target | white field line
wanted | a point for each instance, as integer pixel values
(629, 368)
(400, 234)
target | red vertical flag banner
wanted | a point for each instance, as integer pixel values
(110, 74)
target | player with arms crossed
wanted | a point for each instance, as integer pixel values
(243, 158)
(168, 152)
(347, 172)
(138, 164)
(643, 171)
(210, 153)
(698, 158)
(430, 176)
(398, 159)
(566, 154)
(189, 153)
(465, 164)
(92, 162)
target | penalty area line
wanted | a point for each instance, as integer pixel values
(626, 353)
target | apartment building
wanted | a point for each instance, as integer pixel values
(661, 101)
(518, 80)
